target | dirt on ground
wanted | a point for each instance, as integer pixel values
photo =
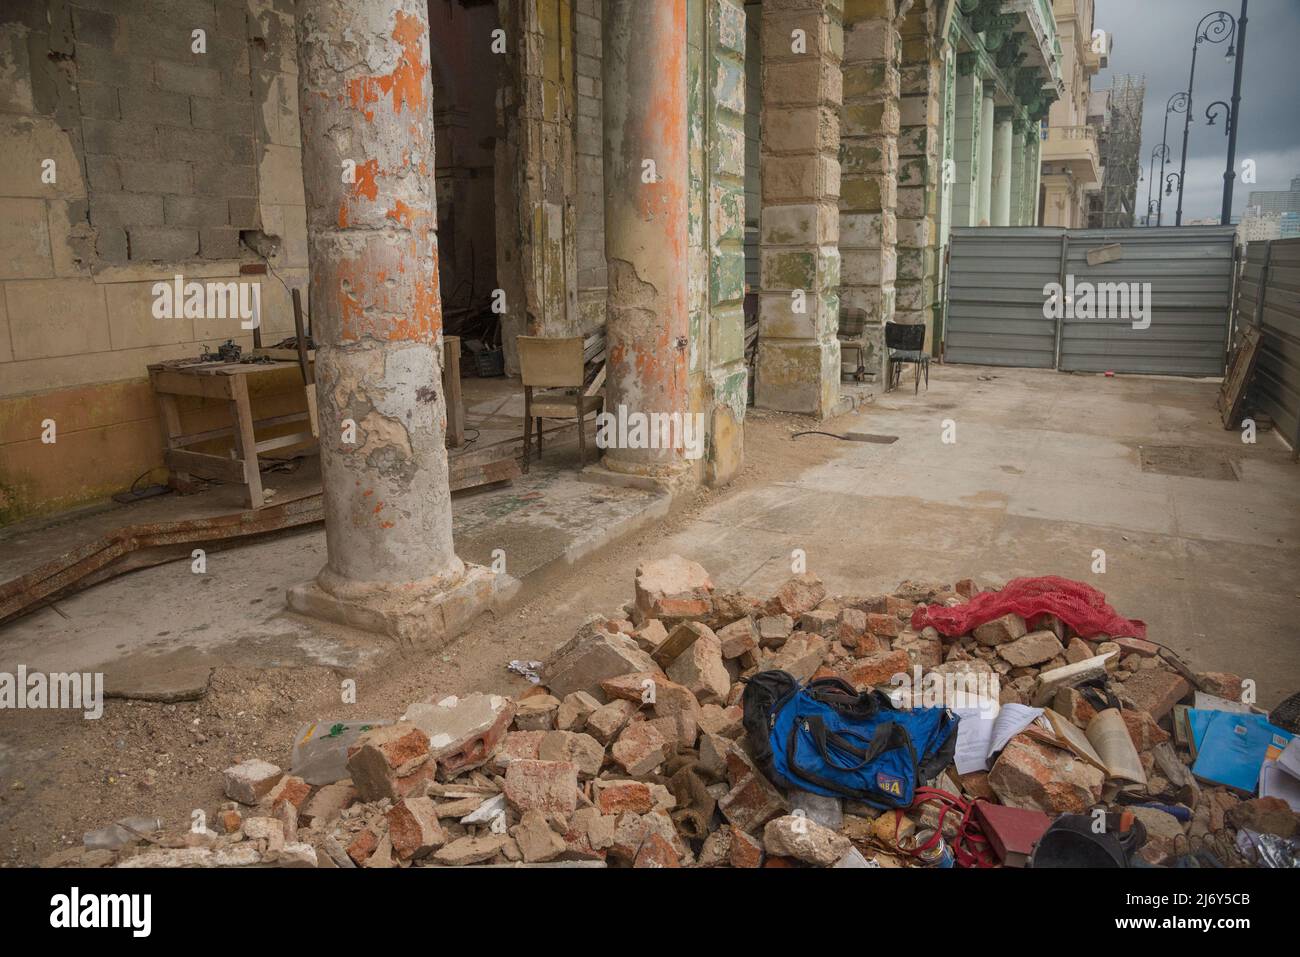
(62, 775)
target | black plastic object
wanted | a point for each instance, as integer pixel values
(1287, 715)
(1071, 842)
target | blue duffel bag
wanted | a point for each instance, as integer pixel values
(830, 739)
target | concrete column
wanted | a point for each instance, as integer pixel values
(1058, 202)
(727, 389)
(798, 352)
(364, 96)
(869, 127)
(984, 208)
(1018, 191)
(920, 168)
(1033, 173)
(968, 133)
(644, 79)
(1000, 211)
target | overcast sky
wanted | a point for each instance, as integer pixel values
(1155, 37)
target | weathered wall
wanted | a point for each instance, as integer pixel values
(537, 262)
(161, 155)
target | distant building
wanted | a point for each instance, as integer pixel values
(1277, 200)
(1290, 225)
(1258, 225)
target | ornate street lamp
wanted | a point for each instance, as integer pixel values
(1213, 28)
(1230, 172)
(1178, 103)
(1163, 152)
(1169, 183)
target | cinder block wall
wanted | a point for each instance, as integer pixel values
(161, 155)
(588, 151)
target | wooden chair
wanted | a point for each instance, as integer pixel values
(558, 368)
(852, 336)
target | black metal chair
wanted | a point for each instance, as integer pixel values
(905, 343)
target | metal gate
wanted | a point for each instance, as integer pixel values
(1176, 325)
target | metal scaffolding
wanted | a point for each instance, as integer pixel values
(1120, 150)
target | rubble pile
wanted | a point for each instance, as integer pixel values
(631, 750)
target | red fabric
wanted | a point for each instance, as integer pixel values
(970, 847)
(1080, 606)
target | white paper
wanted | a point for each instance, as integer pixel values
(985, 729)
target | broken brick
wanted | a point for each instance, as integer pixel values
(640, 748)
(249, 781)
(542, 786)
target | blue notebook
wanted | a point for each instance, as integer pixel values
(1230, 747)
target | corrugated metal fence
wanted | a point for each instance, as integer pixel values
(1268, 298)
(1178, 325)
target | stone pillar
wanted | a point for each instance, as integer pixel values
(728, 383)
(364, 95)
(1018, 191)
(1033, 173)
(798, 352)
(969, 132)
(647, 325)
(920, 173)
(1059, 200)
(869, 126)
(1000, 209)
(983, 215)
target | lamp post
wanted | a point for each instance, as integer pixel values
(1169, 183)
(1229, 171)
(1213, 28)
(1177, 103)
(1163, 152)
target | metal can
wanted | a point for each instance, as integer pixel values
(938, 854)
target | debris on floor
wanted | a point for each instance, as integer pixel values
(706, 728)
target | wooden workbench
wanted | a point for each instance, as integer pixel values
(228, 382)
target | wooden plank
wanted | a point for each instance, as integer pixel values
(246, 441)
(451, 391)
(284, 441)
(228, 470)
(463, 475)
(185, 383)
(1232, 393)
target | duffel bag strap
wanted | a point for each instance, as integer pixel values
(881, 741)
(970, 847)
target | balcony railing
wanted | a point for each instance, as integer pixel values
(1063, 133)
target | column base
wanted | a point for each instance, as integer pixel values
(423, 615)
(798, 376)
(671, 482)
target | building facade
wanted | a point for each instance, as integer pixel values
(1072, 168)
(813, 157)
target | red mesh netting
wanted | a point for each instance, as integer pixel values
(1080, 606)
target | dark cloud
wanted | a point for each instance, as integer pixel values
(1155, 38)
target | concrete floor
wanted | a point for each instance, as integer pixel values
(158, 631)
(1045, 469)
